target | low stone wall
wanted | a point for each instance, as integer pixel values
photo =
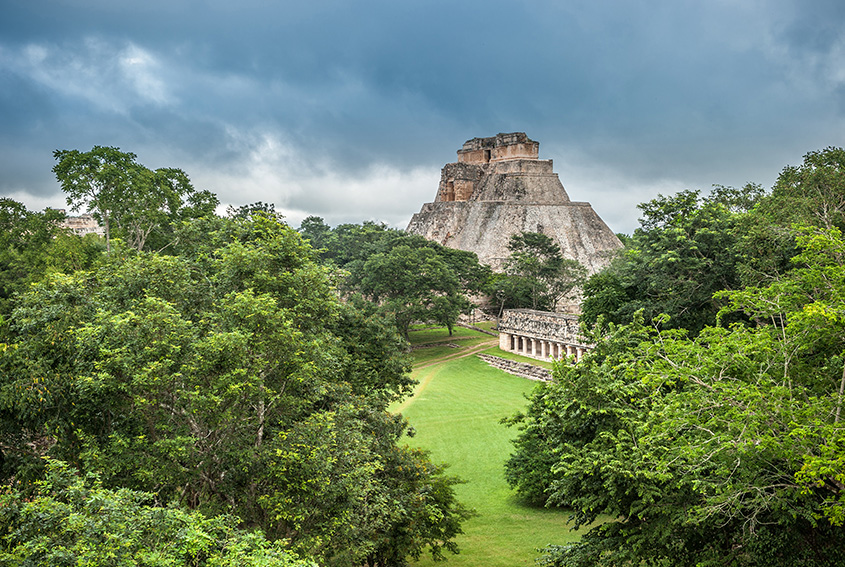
(521, 369)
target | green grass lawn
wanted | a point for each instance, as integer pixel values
(488, 325)
(456, 412)
(427, 354)
(420, 335)
(437, 351)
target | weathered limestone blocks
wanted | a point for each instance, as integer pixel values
(499, 187)
(520, 369)
(83, 224)
(500, 147)
(457, 182)
(541, 334)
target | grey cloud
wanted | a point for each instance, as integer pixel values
(630, 99)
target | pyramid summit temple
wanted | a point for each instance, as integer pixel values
(500, 187)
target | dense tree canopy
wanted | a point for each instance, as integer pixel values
(717, 440)
(536, 276)
(124, 194)
(33, 244)
(408, 277)
(686, 250)
(689, 247)
(226, 376)
(722, 449)
(72, 520)
(812, 193)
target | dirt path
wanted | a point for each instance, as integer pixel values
(461, 354)
(425, 378)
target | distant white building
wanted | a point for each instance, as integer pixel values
(82, 225)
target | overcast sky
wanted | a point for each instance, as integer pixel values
(348, 109)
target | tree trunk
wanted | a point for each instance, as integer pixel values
(841, 392)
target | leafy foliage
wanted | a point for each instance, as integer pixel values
(812, 193)
(686, 250)
(808, 195)
(124, 194)
(73, 520)
(225, 377)
(705, 450)
(343, 473)
(537, 276)
(706, 445)
(413, 284)
(32, 244)
(409, 278)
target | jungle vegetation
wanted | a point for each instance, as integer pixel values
(708, 421)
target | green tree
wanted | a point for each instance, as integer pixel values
(812, 193)
(382, 502)
(350, 245)
(706, 445)
(719, 449)
(246, 211)
(121, 192)
(32, 245)
(432, 282)
(192, 375)
(318, 233)
(24, 239)
(809, 194)
(413, 284)
(68, 519)
(95, 180)
(686, 250)
(538, 276)
(156, 200)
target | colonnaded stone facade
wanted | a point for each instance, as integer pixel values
(499, 187)
(541, 334)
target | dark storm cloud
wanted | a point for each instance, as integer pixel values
(348, 109)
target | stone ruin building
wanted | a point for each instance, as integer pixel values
(82, 224)
(500, 187)
(540, 334)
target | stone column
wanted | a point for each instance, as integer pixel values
(579, 354)
(543, 349)
(504, 341)
(533, 347)
(569, 350)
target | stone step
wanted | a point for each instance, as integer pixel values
(521, 369)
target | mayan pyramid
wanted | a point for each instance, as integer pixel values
(499, 187)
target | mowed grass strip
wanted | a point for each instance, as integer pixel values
(437, 351)
(456, 413)
(420, 335)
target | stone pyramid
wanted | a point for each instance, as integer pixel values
(499, 187)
